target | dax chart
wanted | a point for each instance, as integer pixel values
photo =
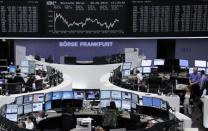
(86, 17)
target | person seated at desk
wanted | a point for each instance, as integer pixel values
(194, 81)
(29, 123)
(19, 79)
(18, 70)
(40, 116)
(110, 117)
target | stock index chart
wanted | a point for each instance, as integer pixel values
(86, 17)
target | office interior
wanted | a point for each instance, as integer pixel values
(69, 84)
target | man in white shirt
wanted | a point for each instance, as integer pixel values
(29, 124)
(139, 77)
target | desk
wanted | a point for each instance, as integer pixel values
(205, 112)
(186, 120)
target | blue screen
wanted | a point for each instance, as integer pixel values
(147, 101)
(28, 108)
(116, 95)
(164, 105)
(126, 95)
(68, 95)
(92, 94)
(48, 96)
(57, 95)
(135, 98)
(2, 81)
(183, 63)
(78, 95)
(19, 100)
(28, 99)
(118, 103)
(156, 102)
(105, 94)
(12, 69)
(48, 105)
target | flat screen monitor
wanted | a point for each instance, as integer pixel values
(38, 98)
(133, 106)
(146, 70)
(20, 110)
(200, 69)
(163, 105)
(19, 100)
(191, 70)
(78, 94)
(147, 101)
(105, 95)
(126, 104)
(48, 96)
(24, 70)
(37, 107)
(146, 63)
(126, 73)
(118, 103)
(126, 95)
(12, 69)
(126, 66)
(68, 95)
(12, 117)
(183, 63)
(57, 95)
(200, 63)
(11, 108)
(2, 81)
(92, 94)
(156, 102)
(24, 63)
(28, 99)
(159, 62)
(206, 71)
(104, 103)
(115, 94)
(28, 108)
(48, 105)
(139, 69)
(135, 98)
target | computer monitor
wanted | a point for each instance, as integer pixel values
(28, 99)
(126, 95)
(191, 70)
(163, 105)
(19, 100)
(126, 66)
(115, 94)
(146, 63)
(79, 95)
(11, 108)
(24, 63)
(48, 96)
(48, 105)
(139, 69)
(156, 102)
(24, 69)
(12, 69)
(147, 101)
(117, 102)
(200, 69)
(28, 108)
(183, 63)
(105, 95)
(38, 97)
(146, 70)
(135, 98)
(104, 103)
(126, 104)
(20, 110)
(159, 62)
(206, 71)
(12, 117)
(57, 95)
(92, 94)
(2, 81)
(68, 95)
(133, 106)
(200, 63)
(126, 73)
(37, 107)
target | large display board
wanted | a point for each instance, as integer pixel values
(115, 18)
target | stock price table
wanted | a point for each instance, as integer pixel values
(18, 17)
(86, 17)
(170, 18)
